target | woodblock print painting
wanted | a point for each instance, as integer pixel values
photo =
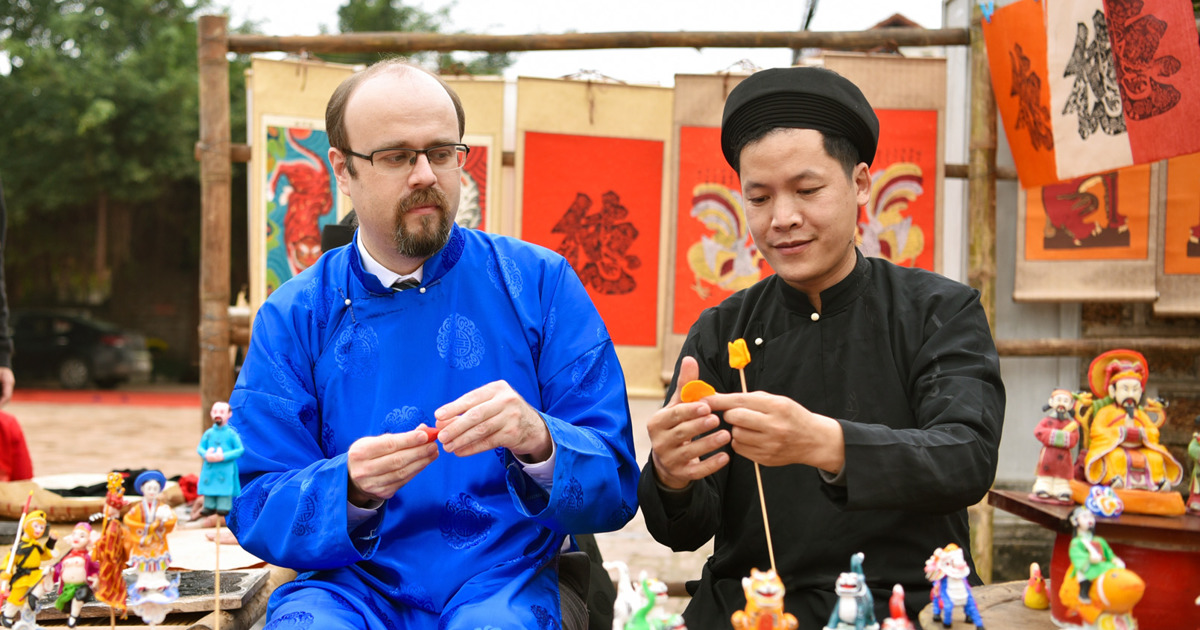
(473, 205)
(1181, 232)
(715, 255)
(899, 223)
(300, 196)
(597, 201)
(1095, 217)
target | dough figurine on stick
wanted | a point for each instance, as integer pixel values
(22, 576)
(149, 522)
(111, 550)
(75, 574)
(220, 447)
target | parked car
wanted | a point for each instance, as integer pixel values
(76, 350)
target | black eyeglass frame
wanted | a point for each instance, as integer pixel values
(466, 151)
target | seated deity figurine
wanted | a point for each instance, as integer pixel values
(1123, 439)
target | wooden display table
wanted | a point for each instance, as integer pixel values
(1002, 607)
(1163, 550)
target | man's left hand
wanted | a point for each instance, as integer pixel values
(491, 417)
(776, 430)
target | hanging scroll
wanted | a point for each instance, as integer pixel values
(591, 162)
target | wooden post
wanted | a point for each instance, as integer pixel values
(981, 214)
(216, 183)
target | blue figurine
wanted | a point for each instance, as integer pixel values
(855, 609)
(220, 448)
(947, 569)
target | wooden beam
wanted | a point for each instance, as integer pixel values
(1090, 347)
(216, 186)
(963, 171)
(399, 42)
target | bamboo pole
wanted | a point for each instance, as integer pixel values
(399, 42)
(1090, 347)
(981, 212)
(216, 184)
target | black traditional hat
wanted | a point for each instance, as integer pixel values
(799, 98)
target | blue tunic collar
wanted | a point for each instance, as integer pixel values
(436, 266)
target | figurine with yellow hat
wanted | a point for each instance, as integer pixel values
(1123, 438)
(23, 568)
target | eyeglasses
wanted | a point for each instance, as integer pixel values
(443, 157)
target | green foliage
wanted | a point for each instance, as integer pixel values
(98, 124)
(101, 97)
(373, 16)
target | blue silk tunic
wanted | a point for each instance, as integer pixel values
(335, 356)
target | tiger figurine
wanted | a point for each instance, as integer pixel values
(764, 604)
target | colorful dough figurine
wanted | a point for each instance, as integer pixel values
(855, 609)
(75, 574)
(1097, 586)
(149, 522)
(947, 569)
(111, 550)
(1035, 595)
(1123, 439)
(22, 576)
(1058, 433)
(764, 604)
(1193, 502)
(220, 447)
(898, 614)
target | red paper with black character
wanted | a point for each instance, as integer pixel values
(1158, 67)
(899, 223)
(715, 255)
(597, 201)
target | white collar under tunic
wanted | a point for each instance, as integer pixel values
(386, 276)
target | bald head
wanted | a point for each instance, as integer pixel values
(335, 111)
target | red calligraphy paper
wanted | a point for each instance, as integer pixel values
(597, 201)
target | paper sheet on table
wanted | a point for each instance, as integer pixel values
(192, 550)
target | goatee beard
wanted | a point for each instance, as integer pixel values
(433, 232)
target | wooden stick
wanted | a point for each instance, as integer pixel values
(217, 577)
(762, 500)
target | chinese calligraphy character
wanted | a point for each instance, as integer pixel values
(1027, 87)
(1094, 98)
(596, 244)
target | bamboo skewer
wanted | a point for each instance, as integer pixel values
(739, 357)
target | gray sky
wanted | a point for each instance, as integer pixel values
(508, 17)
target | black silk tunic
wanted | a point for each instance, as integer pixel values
(904, 360)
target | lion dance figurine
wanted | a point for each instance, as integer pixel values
(764, 604)
(947, 569)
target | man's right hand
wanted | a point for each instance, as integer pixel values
(673, 436)
(380, 465)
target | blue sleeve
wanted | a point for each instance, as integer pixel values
(292, 508)
(584, 403)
